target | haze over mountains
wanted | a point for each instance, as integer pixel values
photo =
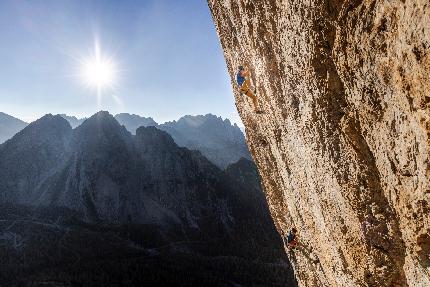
(217, 139)
(100, 170)
(99, 195)
(73, 121)
(133, 122)
(9, 126)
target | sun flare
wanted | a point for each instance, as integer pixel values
(98, 71)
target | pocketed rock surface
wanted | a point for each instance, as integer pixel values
(343, 145)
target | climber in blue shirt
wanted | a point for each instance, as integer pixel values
(244, 84)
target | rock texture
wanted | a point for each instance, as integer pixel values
(343, 147)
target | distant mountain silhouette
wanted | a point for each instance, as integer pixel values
(133, 122)
(217, 139)
(9, 126)
(73, 121)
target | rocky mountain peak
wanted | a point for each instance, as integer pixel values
(50, 120)
(132, 122)
(4, 116)
(153, 137)
(99, 132)
(204, 121)
(100, 123)
(218, 140)
(9, 126)
(48, 129)
(34, 152)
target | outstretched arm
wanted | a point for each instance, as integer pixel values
(245, 72)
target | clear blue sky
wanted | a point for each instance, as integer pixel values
(168, 53)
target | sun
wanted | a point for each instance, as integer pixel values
(98, 71)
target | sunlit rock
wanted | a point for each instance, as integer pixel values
(343, 146)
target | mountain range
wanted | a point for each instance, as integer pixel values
(217, 139)
(140, 195)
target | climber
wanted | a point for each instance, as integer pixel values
(245, 87)
(292, 238)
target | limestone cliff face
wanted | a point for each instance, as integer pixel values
(343, 146)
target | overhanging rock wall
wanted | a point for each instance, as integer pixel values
(343, 146)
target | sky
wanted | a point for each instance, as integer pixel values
(167, 57)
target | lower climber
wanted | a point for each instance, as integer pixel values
(245, 87)
(292, 238)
